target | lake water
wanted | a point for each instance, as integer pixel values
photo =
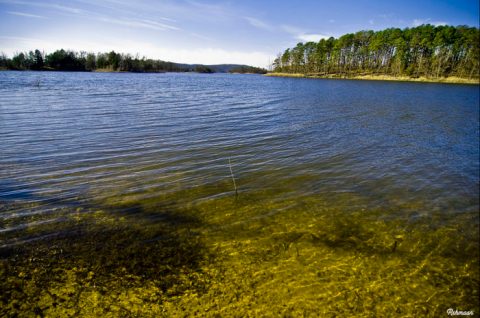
(122, 181)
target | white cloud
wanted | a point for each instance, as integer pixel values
(27, 15)
(418, 22)
(312, 37)
(302, 35)
(438, 23)
(371, 22)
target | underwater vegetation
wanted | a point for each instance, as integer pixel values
(263, 253)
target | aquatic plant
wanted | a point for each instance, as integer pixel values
(233, 177)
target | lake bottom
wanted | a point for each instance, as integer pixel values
(265, 252)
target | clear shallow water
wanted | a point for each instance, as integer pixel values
(304, 153)
(80, 134)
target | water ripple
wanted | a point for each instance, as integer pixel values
(101, 136)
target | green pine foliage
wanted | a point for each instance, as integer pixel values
(423, 51)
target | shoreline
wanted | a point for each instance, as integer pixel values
(103, 70)
(448, 80)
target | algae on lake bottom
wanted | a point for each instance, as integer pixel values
(256, 255)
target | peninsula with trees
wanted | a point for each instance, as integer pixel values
(423, 53)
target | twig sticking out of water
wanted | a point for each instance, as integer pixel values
(233, 178)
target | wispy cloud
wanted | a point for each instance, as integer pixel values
(167, 19)
(210, 9)
(134, 23)
(26, 15)
(54, 6)
(259, 24)
(64, 8)
(158, 25)
(418, 22)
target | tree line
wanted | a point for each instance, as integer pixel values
(426, 50)
(66, 60)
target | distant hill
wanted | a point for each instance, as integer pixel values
(248, 70)
(225, 68)
(216, 68)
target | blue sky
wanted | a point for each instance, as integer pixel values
(210, 32)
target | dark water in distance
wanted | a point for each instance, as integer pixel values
(346, 189)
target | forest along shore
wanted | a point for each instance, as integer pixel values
(427, 53)
(71, 61)
(379, 77)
